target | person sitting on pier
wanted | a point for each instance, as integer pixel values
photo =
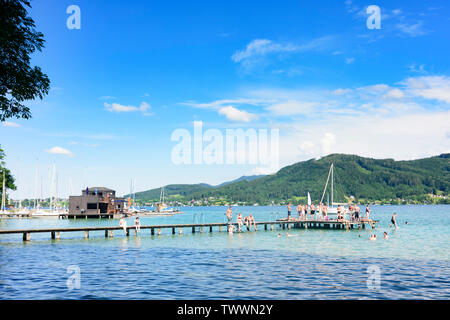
(251, 220)
(123, 224)
(247, 223)
(137, 224)
(239, 222)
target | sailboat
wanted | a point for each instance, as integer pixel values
(161, 207)
(54, 212)
(332, 210)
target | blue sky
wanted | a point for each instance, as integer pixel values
(138, 70)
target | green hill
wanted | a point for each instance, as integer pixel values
(365, 179)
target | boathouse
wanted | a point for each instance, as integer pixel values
(96, 202)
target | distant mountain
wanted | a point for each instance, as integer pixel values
(358, 177)
(243, 178)
(173, 191)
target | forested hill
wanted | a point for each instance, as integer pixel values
(358, 177)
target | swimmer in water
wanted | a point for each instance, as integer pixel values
(385, 235)
(279, 235)
(373, 237)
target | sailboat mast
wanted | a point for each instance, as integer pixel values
(3, 192)
(332, 183)
(35, 185)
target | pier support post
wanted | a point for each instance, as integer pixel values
(86, 234)
(364, 225)
(265, 227)
(289, 226)
(193, 229)
(284, 226)
(106, 233)
(173, 230)
(152, 231)
(26, 236)
(53, 235)
(210, 229)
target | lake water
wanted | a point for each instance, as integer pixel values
(414, 263)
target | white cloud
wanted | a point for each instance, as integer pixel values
(430, 87)
(10, 124)
(292, 107)
(413, 30)
(118, 108)
(107, 98)
(234, 114)
(394, 94)
(349, 60)
(259, 48)
(59, 150)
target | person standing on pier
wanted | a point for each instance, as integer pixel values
(299, 211)
(229, 215)
(289, 211)
(313, 210)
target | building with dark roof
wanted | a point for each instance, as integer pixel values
(96, 202)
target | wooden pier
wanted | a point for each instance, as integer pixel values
(205, 227)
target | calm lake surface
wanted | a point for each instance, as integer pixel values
(414, 263)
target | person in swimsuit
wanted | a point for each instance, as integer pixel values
(289, 211)
(229, 215)
(239, 222)
(373, 237)
(357, 210)
(368, 211)
(394, 222)
(137, 224)
(303, 211)
(246, 221)
(123, 224)
(325, 212)
(252, 220)
(313, 209)
(299, 210)
(385, 235)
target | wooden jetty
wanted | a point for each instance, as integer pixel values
(205, 227)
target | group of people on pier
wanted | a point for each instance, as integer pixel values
(248, 221)
(321, 212)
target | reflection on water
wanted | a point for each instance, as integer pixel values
(312, 264)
